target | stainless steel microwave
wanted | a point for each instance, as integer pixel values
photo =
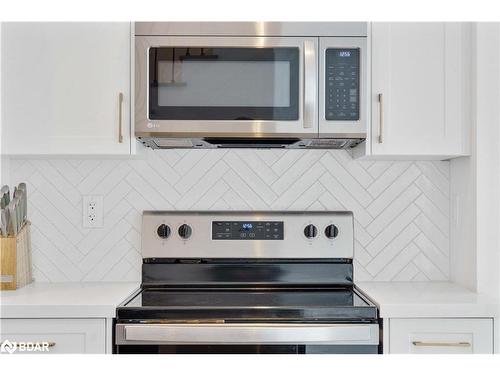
(251, 84)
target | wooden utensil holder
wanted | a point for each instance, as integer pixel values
(15, 260)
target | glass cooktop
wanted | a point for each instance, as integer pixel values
(269, 304)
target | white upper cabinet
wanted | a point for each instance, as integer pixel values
(420, 98)
(61, 88)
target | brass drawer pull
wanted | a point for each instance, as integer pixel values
(461, 344)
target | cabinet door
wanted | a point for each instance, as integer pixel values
(61, 85)
(54, 336)
(418, 89)
(440, 336)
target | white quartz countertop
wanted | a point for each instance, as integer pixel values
(65, 300)
(428, 300)
(100, 299)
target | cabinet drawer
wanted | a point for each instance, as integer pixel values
(63, 335)
(441, 336)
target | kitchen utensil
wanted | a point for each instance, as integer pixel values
(5, 222)
(20, 195)
(13, 215)
(23, 187)
(4, 196)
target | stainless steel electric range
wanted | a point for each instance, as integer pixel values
(247, 282)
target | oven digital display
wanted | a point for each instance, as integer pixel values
(247, 230)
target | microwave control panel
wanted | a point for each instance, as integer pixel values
(342, 84)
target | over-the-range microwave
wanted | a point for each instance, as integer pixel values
(251, 84)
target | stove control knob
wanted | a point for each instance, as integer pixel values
(310, 231)
(163, 231)
(331, 231)
(185, 231)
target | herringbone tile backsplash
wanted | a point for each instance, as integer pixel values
(401, 209)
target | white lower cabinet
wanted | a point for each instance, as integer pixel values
(441, 336)
(56, 336)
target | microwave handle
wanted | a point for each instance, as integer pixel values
(309, 83)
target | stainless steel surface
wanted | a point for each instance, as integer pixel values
(319, 143)
(344, 129)
(381, 118)
(120, 105)
(309, 127)
(309, 85)
(295, 334)
(460, 344)
(201, 245)
(144, 127)
(253, 28)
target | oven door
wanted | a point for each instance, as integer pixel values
(251, 338)
(197, 87)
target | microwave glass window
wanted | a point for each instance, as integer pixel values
(224, 83)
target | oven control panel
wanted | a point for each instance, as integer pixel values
(247, 234)
(342, 84)
(247, 230)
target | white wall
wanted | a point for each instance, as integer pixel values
(1, 158)
(4, 162)
(475, 181)
(488, 157)
(463, 260)
(463, 191)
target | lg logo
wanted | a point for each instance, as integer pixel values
(10, 347)
(152, 125)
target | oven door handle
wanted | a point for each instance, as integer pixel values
(320, 334)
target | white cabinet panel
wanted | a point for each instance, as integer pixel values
(64, 335)
(440, 336)
(61, 85)
(419, 89)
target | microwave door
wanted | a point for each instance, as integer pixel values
(226, 87)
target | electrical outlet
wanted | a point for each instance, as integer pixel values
(92, 211)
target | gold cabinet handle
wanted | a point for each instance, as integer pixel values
(381, 118)
(460, 344)
(120, 104)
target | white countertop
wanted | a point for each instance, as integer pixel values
(65, 300)
(428, 300)
(99, 300)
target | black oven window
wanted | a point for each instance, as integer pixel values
(224, 83)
